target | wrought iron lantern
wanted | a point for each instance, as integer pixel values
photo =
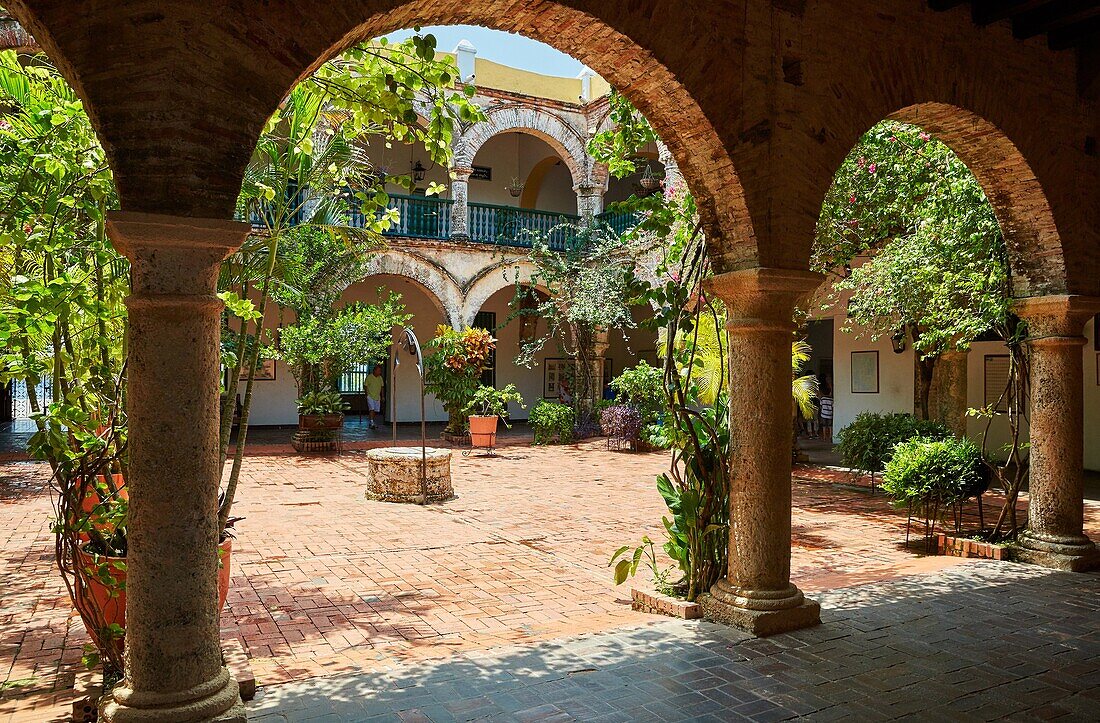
(899, 339)
(419, 171)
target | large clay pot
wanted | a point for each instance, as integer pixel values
(314, 422)
(483, 431)
(112, 601)
(92, 500)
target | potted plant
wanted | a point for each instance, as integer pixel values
(321, 411)
(486, 407)
(452, 371)
(319, 349)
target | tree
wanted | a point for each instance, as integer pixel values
(937, 270)
(62, 321)
(590, 285)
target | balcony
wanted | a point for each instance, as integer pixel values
(428, 217)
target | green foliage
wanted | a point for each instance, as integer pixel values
(590, 285)
(630, 132)
(550, 420)
(320, 349)
(491, 402)
(923, 470)
(62, 320)
(937, 268)
(627, 559)
(324, 402)
(453, 368)
(642, 387)
(867, 444)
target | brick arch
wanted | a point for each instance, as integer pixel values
(1016, 195)
(180, 95)
(435, 281)
(1018, 200)
(548, 127)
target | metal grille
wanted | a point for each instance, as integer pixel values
(351, 382)
(20, 400)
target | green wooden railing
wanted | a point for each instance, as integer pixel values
(511, 226)
(618, 221)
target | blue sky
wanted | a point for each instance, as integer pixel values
(505, 48)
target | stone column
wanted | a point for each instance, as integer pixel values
(174, 668)
(1055, 530)
(460, 210)
(947, 400)
(589, 202)
(757, 595)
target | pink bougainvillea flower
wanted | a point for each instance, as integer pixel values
(872, 168)
(925, 137)
(851, 199)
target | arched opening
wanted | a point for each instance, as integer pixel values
(545, 179)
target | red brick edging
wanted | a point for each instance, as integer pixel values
(965, 547)
(652, 602)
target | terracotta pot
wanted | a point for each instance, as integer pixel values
(92, 500)
(310, 422)
(98, 596)
(483, 431)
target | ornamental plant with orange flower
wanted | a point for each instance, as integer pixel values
(453, 368)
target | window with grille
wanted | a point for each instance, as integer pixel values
(996, 382)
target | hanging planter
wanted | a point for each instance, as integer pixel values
(649, 182)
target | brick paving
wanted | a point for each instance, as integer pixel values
(978, 642)
(328, 583)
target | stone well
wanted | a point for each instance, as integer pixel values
(395, 475)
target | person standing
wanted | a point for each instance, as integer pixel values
(375, 389)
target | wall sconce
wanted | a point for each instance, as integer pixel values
(418, 172)
(899, 339)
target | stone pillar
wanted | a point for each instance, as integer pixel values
(947, 400)
(460, 210)
(174, 668)
(1055, 530)
(589, 202)
(757, 595)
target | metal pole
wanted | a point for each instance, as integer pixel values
(393, 392)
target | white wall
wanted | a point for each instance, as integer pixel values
(499, 154)
(896, 379)
(896, 388)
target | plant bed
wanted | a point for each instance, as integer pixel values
(655, 603)
(966, 547)
(462, 439)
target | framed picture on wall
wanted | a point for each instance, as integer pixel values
(865, 372)
(265, 371)
(554, 371)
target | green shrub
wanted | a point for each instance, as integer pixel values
(939, 471)
(867, 443)
(642, 387)
(551, 419)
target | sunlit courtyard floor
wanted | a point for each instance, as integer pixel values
(328, 584)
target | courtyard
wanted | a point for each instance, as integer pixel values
(505, 592)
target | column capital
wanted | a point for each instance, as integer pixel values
(462, 173)
(758, 295)
(132, 231)
(1062, 315)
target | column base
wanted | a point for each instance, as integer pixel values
(1072, 554)
(218, 700)
(460, 238)
(759, 612)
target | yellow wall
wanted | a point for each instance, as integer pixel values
(488, 74)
